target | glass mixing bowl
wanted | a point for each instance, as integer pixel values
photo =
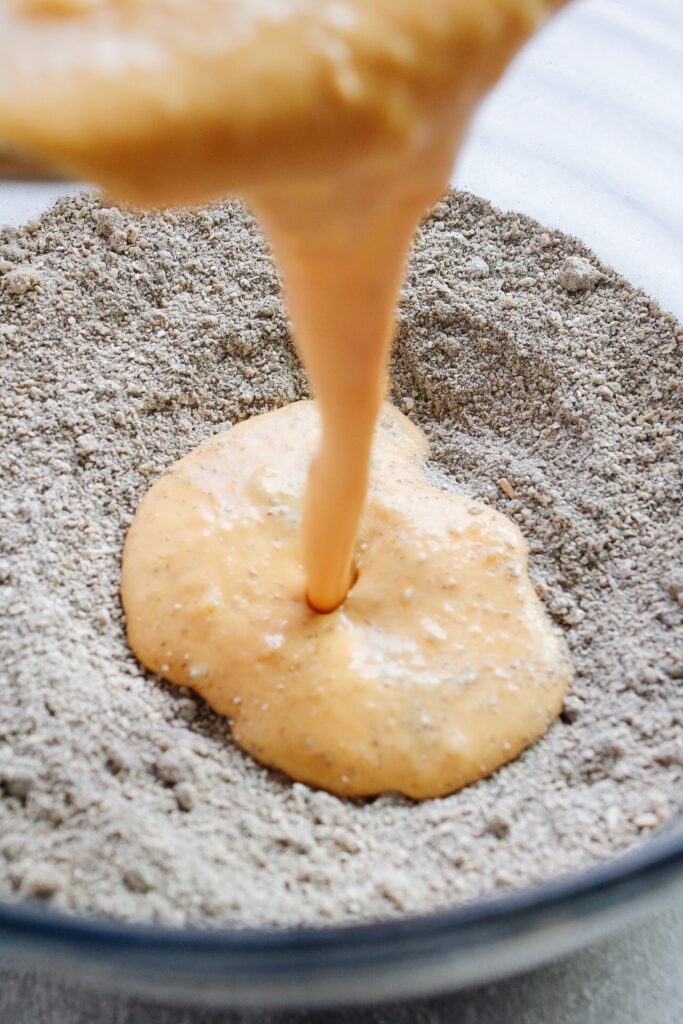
(585, 134)
(354, 963)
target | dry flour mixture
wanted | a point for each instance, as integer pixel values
(547, 385)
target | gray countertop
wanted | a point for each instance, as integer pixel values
(635, 977)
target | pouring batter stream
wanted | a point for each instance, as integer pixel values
(338, 122)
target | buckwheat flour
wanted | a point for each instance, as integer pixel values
(547, 385)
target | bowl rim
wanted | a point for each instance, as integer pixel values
(649, 866)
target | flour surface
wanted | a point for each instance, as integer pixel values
(548, 387)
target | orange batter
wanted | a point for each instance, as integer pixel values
(439, 665)
(338, 120)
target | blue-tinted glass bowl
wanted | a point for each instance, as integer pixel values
(569, 139)
(355, 963)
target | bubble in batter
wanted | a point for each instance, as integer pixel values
(440, 665)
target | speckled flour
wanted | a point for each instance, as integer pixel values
(547, 385)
